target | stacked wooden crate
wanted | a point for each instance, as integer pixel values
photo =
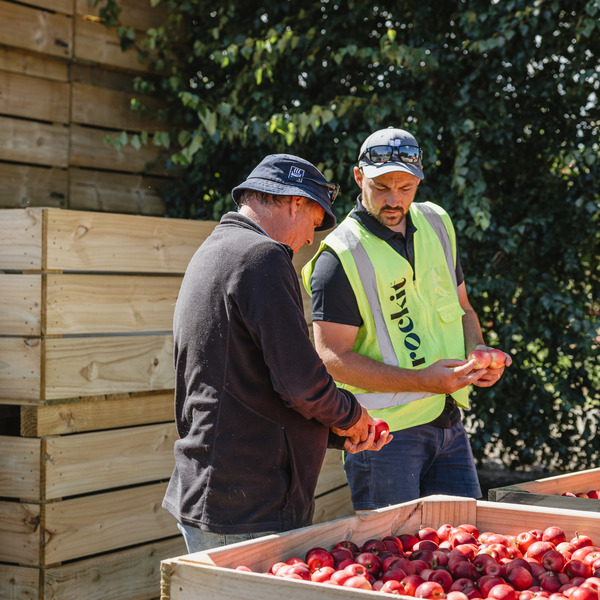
(65, 87)
(86, 403)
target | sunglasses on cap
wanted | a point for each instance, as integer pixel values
(382, 154)
(332, 188)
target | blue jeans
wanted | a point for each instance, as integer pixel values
(197, 540)
(418, 462)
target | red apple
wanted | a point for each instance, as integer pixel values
(297, 569)
(355, 569)
(443, 531)
(428, 533)
(370, 561)
(380, 427)
(461, 536)
(582, 593)
(487, 582)
(583, 553)
(430, 590)
(373, 545)
(524, 540)
(519, 577)
(550, 582)
(393, 539)
(443, 577)
(498, 358)
(571, 494)
(394, 573)
(482, 560)
(538, 549)
(358, 581)
(319, 557)
(276, 566)
(338, 577)
(554, 534)
(456, 595)
(580, 541)
(581, 495)
(322, 574)
(518, 562)
(340, 554)
(466, 569)
(577, 568)
(482, 359)
(594, 494)
(428, 545)
(502, 591)
(440, 557)
(348, 545)
(393, 587)
(593, 583)
(411, 583)
(408, 541)
(553, 560)
(243, 568)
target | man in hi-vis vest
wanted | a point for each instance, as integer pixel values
(393, 324)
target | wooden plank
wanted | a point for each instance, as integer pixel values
(79, 416)
(20, 462)
(121, 518)
(63, 6)
(107, 365)
(21, 239)
(90, 149)
(102, 460)
(20, 365)
(132, 574)
(87, 304)
(19, 583)
(33, 142)
(332, 475)
(97, 43)
(92, 241)
(116, 192)
(333, 505)
(135, 13)
(102, 107)
(33, 29)
(24, 186)
(20, 305)
(14, 60)
(582, 481)
(19, 532)
(34, 98)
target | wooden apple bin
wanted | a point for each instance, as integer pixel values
(548, 491)
(210, 575)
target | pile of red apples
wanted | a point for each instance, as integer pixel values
(457, 563)
(592, 494)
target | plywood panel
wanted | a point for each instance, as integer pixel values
(115, 192)
(93, 241)
(20, 368)
(101, 460)
(103, 365)
(120, 519)
(20, 467)
(29, 28)
(135, 13)
(34, 98)
(21, 305)
(21, 239)
(34, 142)
(93, 105)
(89, 148)
(24, 185)
(85, 304)
(92, 415)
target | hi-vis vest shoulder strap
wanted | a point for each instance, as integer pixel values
(366, 271)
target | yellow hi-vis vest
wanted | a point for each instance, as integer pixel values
(411, 319)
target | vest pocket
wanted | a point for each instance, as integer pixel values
(450, 312)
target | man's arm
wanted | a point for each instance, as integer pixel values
(335, 343)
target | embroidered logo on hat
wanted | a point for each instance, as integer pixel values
(296, 173)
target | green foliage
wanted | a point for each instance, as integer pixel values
(503, 97)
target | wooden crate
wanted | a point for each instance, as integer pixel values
(210, 574)
(548, 491)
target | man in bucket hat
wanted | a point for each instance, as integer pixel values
(255, 407)
(393, 323)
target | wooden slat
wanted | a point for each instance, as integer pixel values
(90, 149)
(86, 304)
(34, 98)
(21, 305)
(116, 192)
(33, 142)
(93, 241)
(20, 462)
(135, 13)
(333, 505)
(95, 42)
(19, 583)
(21, 239)
(14, 60)
(102, 460)
(332, 475)
(107, 365)
(20, 360)
(582, 481)
(132, 574)
(24, 186)
(79, 416)
(20, 532)
(62, 6)
(102, 107)
(120, 519)
(33, 29)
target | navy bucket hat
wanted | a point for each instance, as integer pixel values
(289, 175)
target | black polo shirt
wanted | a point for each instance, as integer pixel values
(333, 298)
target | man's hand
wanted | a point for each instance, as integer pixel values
(491, 376)
(446, 376)
(360, 431)
(369, 443)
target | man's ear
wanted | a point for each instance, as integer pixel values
(358, 176)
